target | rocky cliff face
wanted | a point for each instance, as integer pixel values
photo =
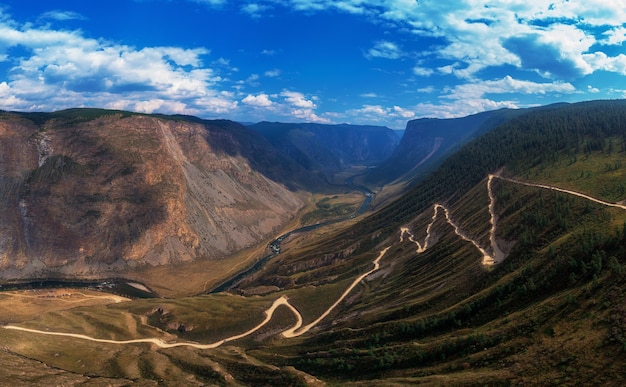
(86, 192)
(427, 141)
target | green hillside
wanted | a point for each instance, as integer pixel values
(552, 312)
(408, 294)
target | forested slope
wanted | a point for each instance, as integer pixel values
(553, 312)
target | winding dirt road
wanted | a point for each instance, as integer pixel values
(489, 258)
(567, 191)
(491, 255)
(296, 330)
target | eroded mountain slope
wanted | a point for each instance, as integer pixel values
(86, 193)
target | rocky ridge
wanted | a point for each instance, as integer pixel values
(85, 194)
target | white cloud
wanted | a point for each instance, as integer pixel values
(403, 112)
(212, 3)
(219, 103)
(592, 89)
(9, 100)
(297, 99)
(384, 49)
(62, 15)
(476, 31)
(460, 108)
(427, 89)
(373, 109)
(615, 36)
(423, 71)
(600, 61)
(254, 9)
(395, 116)
(272, 73)
(449, 69)
(154, 105)
(309, 116)
(296, 105)
(252, 80)
(61, 69)
(476, 90)
(261, 100)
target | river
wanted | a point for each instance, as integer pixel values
(274, 245)
(120, 287)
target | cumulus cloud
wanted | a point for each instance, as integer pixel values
(309, 116)
(61, 69)
(297, 99)
(297, 105)
(395, 116)
(615, 36)
(255, 10)
(261, 100)
(545, 58)
(287, 106)
(548, 37)
(601, 61)
(592, 89)
(154, 105)
(460, 108)
(404, 113)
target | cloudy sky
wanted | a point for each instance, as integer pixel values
(379, 62)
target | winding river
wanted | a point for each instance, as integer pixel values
(125, 288)
(274, 245)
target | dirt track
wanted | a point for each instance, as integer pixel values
(297, 329)
(294, 331)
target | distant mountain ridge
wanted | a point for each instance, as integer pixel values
(427, 141)
(329, 149)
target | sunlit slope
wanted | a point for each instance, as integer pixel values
(552, 310)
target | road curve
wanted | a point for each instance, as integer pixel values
(493, 254)
(297, 329)
(567, 191)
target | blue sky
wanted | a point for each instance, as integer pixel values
(379, 62)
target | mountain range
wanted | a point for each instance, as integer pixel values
(89, 192)
(501, 261)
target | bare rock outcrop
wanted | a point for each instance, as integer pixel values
(86, 193)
